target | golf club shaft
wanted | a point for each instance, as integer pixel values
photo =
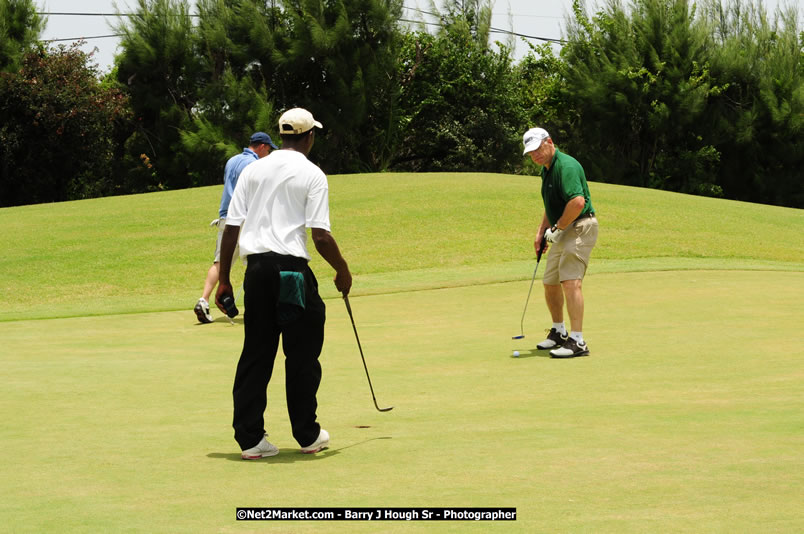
(542, 245)
(360, 348)
(522, 321)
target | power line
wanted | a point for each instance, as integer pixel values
(440, 25)
(86, 14)
(498, 14)
(529, 16)
(71, 14)
(491, 29)
(83, 38)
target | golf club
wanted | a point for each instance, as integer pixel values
(538, 259)
(349, 309)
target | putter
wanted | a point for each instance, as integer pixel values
(538, 259)
(349, 309)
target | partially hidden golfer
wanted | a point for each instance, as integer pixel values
(260, 145)
(275, 200)
(570, 229)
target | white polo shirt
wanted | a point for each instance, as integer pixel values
(275, 200)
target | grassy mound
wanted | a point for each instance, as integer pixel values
(397, 231)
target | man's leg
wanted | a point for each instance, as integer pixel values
(201, 308)
(212, 280)
(574, 345)
(572, 269)
(554, 298)
(302, 341)
(213, 274)
(574, 297)
(261, 339)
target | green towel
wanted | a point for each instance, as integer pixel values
(290, 305)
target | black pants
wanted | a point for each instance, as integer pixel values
(301, 342)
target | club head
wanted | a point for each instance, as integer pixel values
(518, 337)
(386, 409)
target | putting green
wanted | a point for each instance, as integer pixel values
(686, 418)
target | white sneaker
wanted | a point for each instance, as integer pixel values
(202, 311)
(318, 445)
(261, 450)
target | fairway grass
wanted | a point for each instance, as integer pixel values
(686, 418)
(151, 252)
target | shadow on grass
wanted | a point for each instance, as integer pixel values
(532, 353)
(289, 456)
(224, 321)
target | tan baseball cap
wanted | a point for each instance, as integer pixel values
(297, 121)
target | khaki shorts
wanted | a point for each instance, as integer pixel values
(568, 259)
(221, 227)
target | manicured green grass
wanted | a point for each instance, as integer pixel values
(686, 418)
(151, 252)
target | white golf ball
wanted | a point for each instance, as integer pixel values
(516, 353)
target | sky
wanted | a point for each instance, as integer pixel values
(537, 18)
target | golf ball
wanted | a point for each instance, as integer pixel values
(516, 353)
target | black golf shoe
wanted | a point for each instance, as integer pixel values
(570, 349)
(554, 339)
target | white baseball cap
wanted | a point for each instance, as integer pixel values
(296, 121)
(533, 139)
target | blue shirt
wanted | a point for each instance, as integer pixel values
(231, 173)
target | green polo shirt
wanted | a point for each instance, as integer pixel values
(563, 181)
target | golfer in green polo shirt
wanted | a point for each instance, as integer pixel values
(569, 227)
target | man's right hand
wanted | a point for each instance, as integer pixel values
(223, 289)
(540, 244)
(343, 281)
(228, 244)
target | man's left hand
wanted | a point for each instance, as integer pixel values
(553, 234)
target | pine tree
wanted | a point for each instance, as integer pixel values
(460, 108)
(161, 71)
(20, 28)
(337, 59)
(640, 82)
(232, 99)
(757, 121)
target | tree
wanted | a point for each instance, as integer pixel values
(542, 79)
(641, 84)
(58, 129)
(162, 73)
(338, 60)
(460, 105)
(228, 112)
(471, 15)
(20, 27)
(249, 60)
(757, 121)
(232, 99)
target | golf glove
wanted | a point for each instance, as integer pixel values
(552, 235)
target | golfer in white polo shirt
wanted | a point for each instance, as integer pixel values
(275, 200)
